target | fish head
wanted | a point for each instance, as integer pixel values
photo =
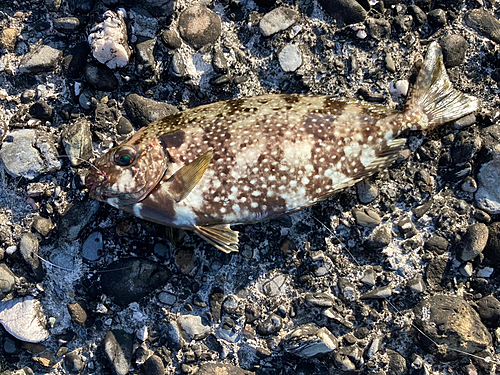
(128, 173)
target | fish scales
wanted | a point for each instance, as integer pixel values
(247, 160)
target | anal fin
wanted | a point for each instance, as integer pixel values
(221, 236)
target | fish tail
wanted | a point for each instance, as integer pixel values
(434, 94)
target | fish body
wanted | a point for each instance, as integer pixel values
(248, 160)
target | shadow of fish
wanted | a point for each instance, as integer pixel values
(247, 160)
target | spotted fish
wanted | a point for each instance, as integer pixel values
(248, 160)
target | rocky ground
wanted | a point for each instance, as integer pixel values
(397, 275)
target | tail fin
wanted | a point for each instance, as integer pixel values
(434, 95)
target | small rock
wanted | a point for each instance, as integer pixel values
(368, 277)
(366, 217)
(231, 305)
(273, 287)
(100, 77)
(308, 341)
(192, 328)
(277, 20)
(378, 28)
(473, 242)
(345, 11)
(186, 260)
(485, 272)
(290, 58)
(46, 359)
(41, 110)
(211, 368)
(154, 366)
(124, 126)
(18, 155)
(466, 269)
(41, 59)
(488, 194)
(109, 42)
(42, 225)
(436, 272)
(24, 319)
(397, 363)
(216, 299)
(418, 15)
(129, 280)
(28, 247)
(483, 23)
(199, 26)
(403, 23)
(437, 244)
(77, 218)
(75, 60)
(7, 280)
(77, 313)
(489, 310)
(469, 185)
(379, 238)
(416, 284)
(93, 246)
(117, 346)
(76, 139)
(73, 363)
(171, 38)
(269, 326)
(437, 18)
(379, 293)
(406, 227)
(465, 147)
(454, 47)
(66, 25)
(219, 62)
(145, 63)
(367, 192)
(320, 299)
(442, 318)
(374, 347)
(143, 111)
(8, 38)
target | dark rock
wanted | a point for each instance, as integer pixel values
(269, 326)
(124, 126)
(73, 363)
(366, 217)
(344, 11)
(216, 299)
(143, 111)
(418, 15)
(492, 248)
(210, 368)
(219, 62)
(81, 6)
(437, 18)
(465, 147)
(117, 346)
(454, 47)
(277, 20)
(231, 305)
(442, 318)
(154, 366)
(379, 238)
(129, 280)
(406, 227)
(100, 77)
(27, 96)
(77, 313)
(199, 26)
(473, 242)
(186, 261)
(41, 59)
(397, 363)
(66, 25)
(76, 218)
(489, 310)
(29, 250)
(7, 280)
(366, 191)
(437, 244)
(319, 299)
(436, 271)
(171, 38)
(402, 23)
(76, 139)
(42, 110)
(177, 66)
(484, 23)
(75, 60)
(378, 28)
(145, 62)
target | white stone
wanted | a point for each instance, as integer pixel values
(24, 319)
(488, 193)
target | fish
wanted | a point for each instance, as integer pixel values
(247, 160)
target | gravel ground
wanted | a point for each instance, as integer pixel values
(397, 275)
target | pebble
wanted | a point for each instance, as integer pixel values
(76, 139)
(42, 58)
(100, 77)
(379, 238)
(66, 25)
(454, 47)
(416, 284)
(465, 147)
(87, 100)
(145, 63)
(320, 299)
(219, 62)
(211, 368)
(117, 347)
(466, 269)
(382, 293)
(366, 217)
(309, 341)
(77, 313)
(406, 227)
(277, 20)
(41, 110)
(485, 272)
(215, 302)
(345, 11)
(273, 287)
(473, 242)
(8, 38)
(192, 327)
(369, 277)
(154, 366)
(435, 274)
(7, 280)
(492, 249)
(109, 42)
(437, 244)
(28, 246)
(488, 195)
(483, 23)
(186, 261)
(199, 26)
(437, 18)
(469, 185)
(77, 218)
(489, 310)
(418, 15)
(450, 314)
(171, 38)
(75, 60)
(231, 305)
(397, 363)
(367, 192)
(124, 126)
(73, 363)
(24, 319)
(378, 28)
(269, 326)
(129, 280)
(18, 155)
(142, 111)
(290, 58)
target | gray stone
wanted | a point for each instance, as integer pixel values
(272, 288)
(24, 319)
(277, 20)
(19, 156)
(397, 363)
(473, 242)
(406, 227)
(66, 25)
(367, 192)
(93, 246)
(437, 244)
(344, 11)
(117, 346)
(154, 366)
(366, 217)
(7, 280)
(379, 238)
(199, 26)
(171, 38)
(28, 246)
(142, 111)
(320, 299)
(488, 194)
(483, 23)
(145, 63)
(290, 58)
(454, 47)
(308, 341)
(269, 326)
(77, 141)
(210, 368)
(379, 293)
(100, 77)
(489, 310)
(442, 319)
(192, 328)
(73, 363)
(41, 59)
(76, 218)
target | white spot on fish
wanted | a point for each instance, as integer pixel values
(137, 210)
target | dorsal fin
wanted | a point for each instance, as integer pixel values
(181, 183)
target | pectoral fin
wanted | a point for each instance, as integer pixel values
(181, 183)
(221, 236)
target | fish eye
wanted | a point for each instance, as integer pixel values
(125, 156)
